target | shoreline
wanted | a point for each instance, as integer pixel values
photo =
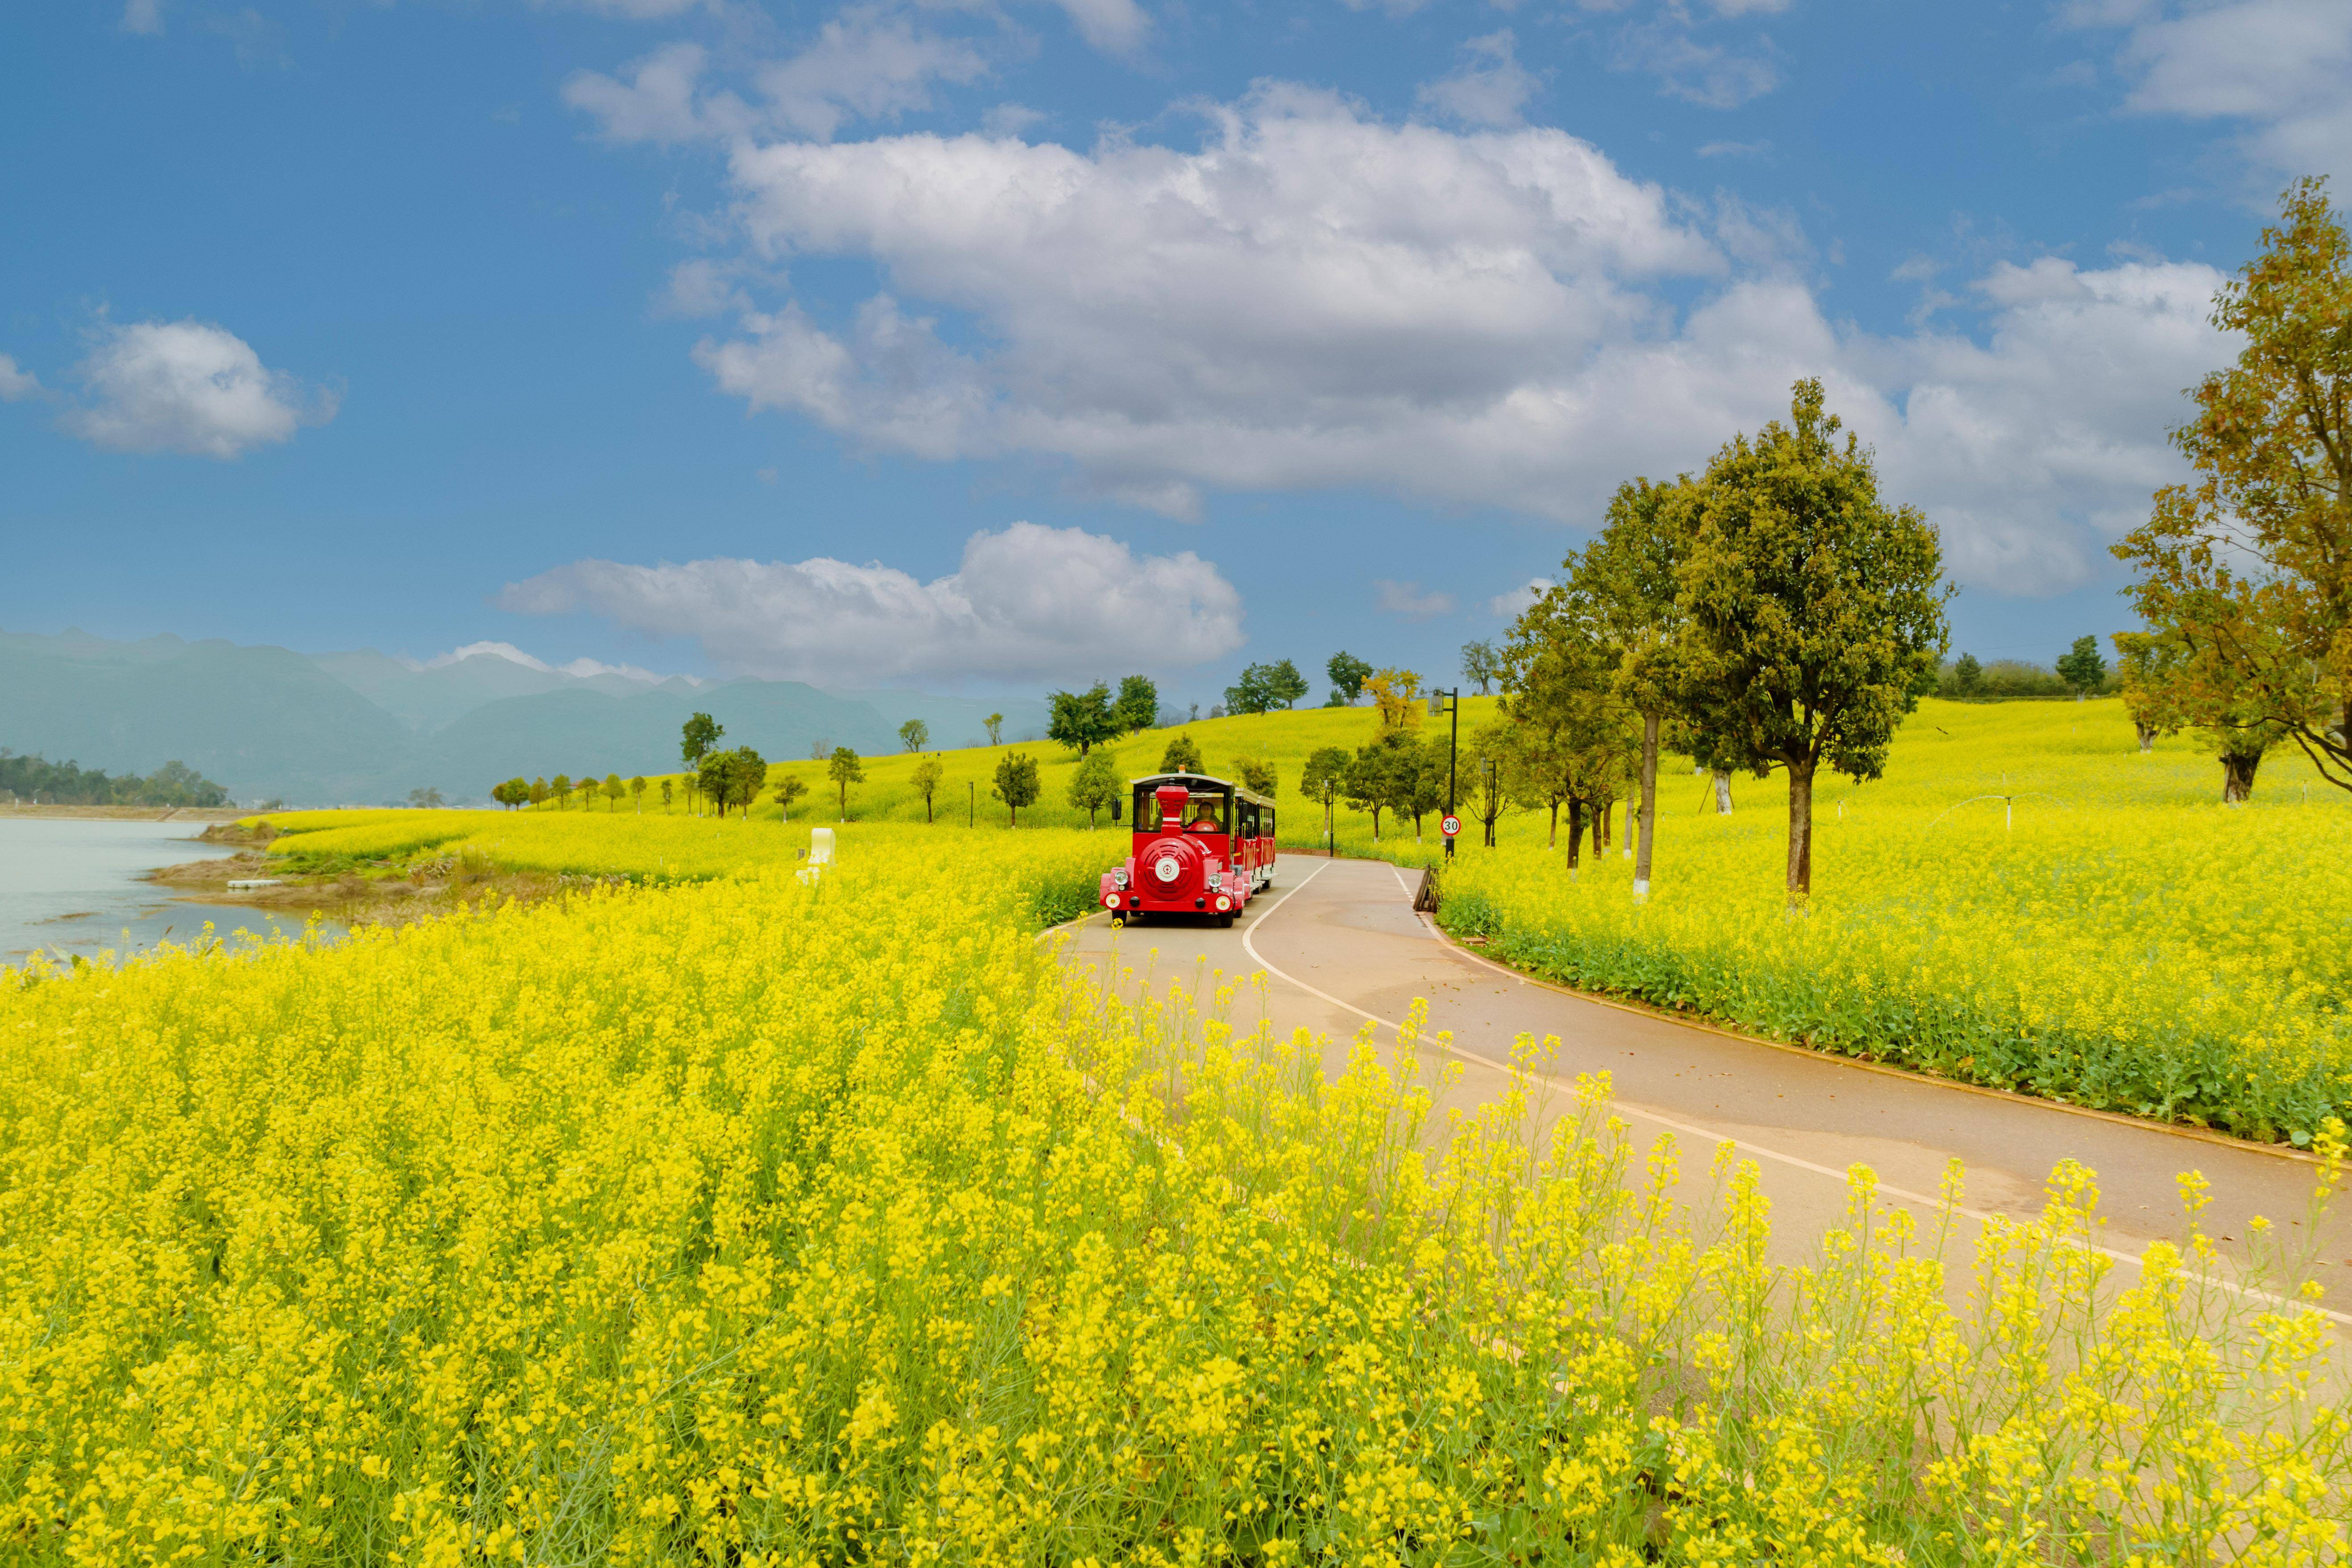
(204, 814)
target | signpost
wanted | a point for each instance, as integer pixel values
(1443, 702)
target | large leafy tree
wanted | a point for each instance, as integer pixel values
(1384, 776)
(1815, 612)
(1481, 666)
(1016, 783)
(2082, 669)
(1322, 779)
(1081, 720)
(1347, 674)
(1577, 731)
(914, 736)
(1136, 707)
(1094, 783)
(1262, 688)
(844, 768)
(2249, 567)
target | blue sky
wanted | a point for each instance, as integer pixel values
(727, 338)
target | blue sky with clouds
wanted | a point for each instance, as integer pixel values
(987, 344)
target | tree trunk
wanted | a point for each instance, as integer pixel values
(2147, 736)
(1604, 831)
(1575, 832)
(2238, 776)
(1555, 825)
(1800, 832)
(1648, 814)
(1722, 795)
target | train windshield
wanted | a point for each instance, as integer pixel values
(1208, 813)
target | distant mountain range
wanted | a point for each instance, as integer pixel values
(362, 728)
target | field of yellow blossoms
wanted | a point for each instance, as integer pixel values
(2025, 900)
(747, 1220)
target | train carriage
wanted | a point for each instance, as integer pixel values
(1201, 846)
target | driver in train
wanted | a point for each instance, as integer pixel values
(1207, 821)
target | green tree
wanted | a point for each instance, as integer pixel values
(1182, 754)
(638, 793)
(1968, 677)
(613, 790)
(747, 776)
(713, 781)
(788, 791)
(696, 737)
(1481, 666)
(424, 799)
(1081, 720)
(994, 723)
(1324, 779)
(926, 779)
(1567, 691)
(1426, 782)
(513, 793)
(540, 791)
(1815, 612)
(2148, 667)
(1382, 776)
(1138, 706)
(1347, 674)
(1016, 783)
(2249, 565)
(845, 770)
(1094, 783)
(914, 736)
(560, 787)
(1489, 764)
(667, 788)
(1262, 688)
(1257, 775)
(2082, 669)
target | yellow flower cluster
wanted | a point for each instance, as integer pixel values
(759, 1220)
(2022, 901)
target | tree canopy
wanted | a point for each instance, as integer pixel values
(2248, 567)
(1347, 674)
(1262, 688)
(1016, 783)
(1081, 720)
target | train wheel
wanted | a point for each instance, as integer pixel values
(1224, 921)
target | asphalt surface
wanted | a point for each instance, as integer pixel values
(1339, 944)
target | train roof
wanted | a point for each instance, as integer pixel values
(1190, 780)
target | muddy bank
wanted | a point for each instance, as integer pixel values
(353, 892)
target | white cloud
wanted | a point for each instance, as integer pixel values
(2278, 66)
(1406, 599)
(1316, 298)
(187, 386)
(657, 103)
(1117, 26)
(1512, 603)
(16, 384)
(1488, 88)
(1030, 603)
(1712, 75)
(864, 65)
(1734, 149)
(144, 17)
(580, 667)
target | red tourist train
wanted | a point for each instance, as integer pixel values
(1203, 847)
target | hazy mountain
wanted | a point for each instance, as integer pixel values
(363, 727)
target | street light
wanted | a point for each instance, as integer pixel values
(1444, 702)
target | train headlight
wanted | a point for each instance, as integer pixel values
(1224, 902)
(1119, 877)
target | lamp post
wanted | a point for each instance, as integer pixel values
(1443, 702)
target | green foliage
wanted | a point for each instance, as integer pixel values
(638, 790)
(540, 791)
(1016, 783)
(559, 786)
(1481, 666)
(926, 779)
(1262, 688)
(2081, 668)
(513, 793)
(1385, 775)
(1081, 720)
(1815, 612)
(1968, 677)
(1182, 754)
(994, 724)
(613, 790)
(696, 737)
(1347, 674)
(1255, 776)
(1094, 785)
(1137, 705)
(844, 769)
(914, 736)
(787, 793)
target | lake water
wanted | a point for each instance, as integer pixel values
(72, 888)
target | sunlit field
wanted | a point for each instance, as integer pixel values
(2023, 901)
(751, 1220)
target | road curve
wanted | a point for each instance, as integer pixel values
(1341, 945)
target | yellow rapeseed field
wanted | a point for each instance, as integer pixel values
(2024, 900)
(751, 1220)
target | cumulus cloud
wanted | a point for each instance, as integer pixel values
(1314, 298)
(2277, 67)
(1406, 599)
(1118, 26)
(1488, 88)
(187, 386)
(1513, 603)
(1029, 602)
(16, 384)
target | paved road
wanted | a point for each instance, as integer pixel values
(1339, 944)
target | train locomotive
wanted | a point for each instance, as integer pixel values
(1202, 847)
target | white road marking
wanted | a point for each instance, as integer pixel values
(1697, 1130)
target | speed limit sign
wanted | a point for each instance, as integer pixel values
(1453, 824)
